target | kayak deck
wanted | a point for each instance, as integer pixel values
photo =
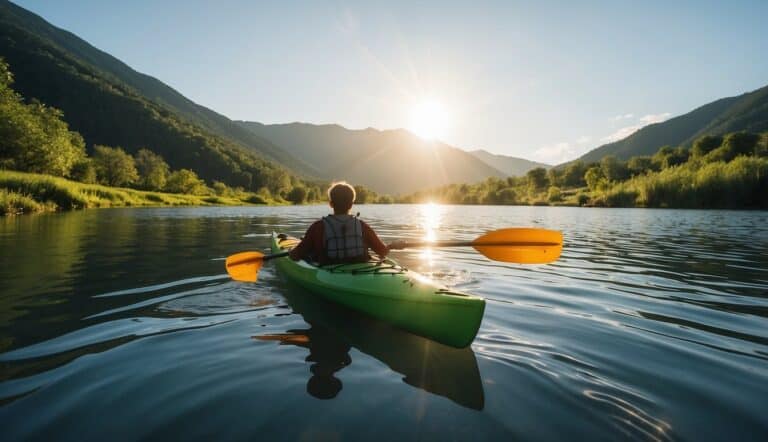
(390, 292)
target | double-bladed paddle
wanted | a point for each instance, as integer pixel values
(518, 245)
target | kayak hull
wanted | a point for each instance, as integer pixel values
(391, 293)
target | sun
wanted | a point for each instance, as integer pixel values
(429, 119)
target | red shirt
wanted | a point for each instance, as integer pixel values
(313, 243)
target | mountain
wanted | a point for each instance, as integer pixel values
(746, 112)
(388, 161)
(110, 103)
(512, 166)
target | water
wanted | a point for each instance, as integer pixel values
(121, 324)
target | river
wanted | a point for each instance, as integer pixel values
(122, 324)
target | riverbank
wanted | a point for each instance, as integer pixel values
(22, 193)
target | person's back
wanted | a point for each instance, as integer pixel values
(340, 237)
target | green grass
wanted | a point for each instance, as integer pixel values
(14, 203)
(22, 192)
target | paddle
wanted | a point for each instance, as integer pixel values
(518, 245)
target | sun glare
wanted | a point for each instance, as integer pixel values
(431, 215)
(429, 119)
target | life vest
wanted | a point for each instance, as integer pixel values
(343, 238)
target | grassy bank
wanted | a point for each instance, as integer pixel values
(29, 193)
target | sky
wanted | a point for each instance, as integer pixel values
(545, 80)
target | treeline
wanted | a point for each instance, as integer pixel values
(35, 138)
(728, 171)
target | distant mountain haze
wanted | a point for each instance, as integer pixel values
(746, 112)
(388, 161)
(512, 166)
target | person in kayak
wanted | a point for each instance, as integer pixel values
(341, 237)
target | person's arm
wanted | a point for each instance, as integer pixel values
(307, 245)
(372, 240)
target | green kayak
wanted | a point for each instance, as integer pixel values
(389, 292)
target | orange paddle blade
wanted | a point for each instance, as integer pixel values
(245, 266)
(521, 245)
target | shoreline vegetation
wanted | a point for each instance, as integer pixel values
(22, 193)
(716, 172)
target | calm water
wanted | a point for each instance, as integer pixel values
(122, 324)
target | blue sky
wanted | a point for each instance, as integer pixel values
(542, 80)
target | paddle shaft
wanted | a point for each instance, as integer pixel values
(411, 244)
(260, 258)
(478, 244)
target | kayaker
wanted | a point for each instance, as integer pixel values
(341, 237)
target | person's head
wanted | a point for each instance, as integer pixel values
(341, 196)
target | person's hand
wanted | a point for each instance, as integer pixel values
(397, 245)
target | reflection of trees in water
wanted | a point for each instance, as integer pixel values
(57, 263)
(424, 364)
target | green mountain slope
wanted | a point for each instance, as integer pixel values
(512, 166)
(110, 103)
(389, 161)
(747, 112)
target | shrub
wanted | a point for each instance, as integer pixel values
(297, 195)
(554, 194)
(185, 181)
(256, 199)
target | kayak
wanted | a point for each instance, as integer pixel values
(390, 292)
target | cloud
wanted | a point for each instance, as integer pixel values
(626, 131)
(555, 153)
(563, 151)
(655, 118)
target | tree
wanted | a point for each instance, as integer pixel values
(668, 157)
(573, 176)
(594, 177)
(734, 145)
(34, 137)
(554, 195)
(506, 195)
(613, 169)
(221, 189)
(184, 181)
(153, 170)
(537, 179)
(114, 167)
(297, 195)
(639, 165)
(84, 171)
(362, 195)
(761, 150)
(705, 145)
(555, 177)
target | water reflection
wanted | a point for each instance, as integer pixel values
(430, 215)
(425, 364)
(652, 324)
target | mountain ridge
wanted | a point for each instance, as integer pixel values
(375, 158)
(118, 72)
(512, 166)
(744, 112)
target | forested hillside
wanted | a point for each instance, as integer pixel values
(747, 112)
(102, 99)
